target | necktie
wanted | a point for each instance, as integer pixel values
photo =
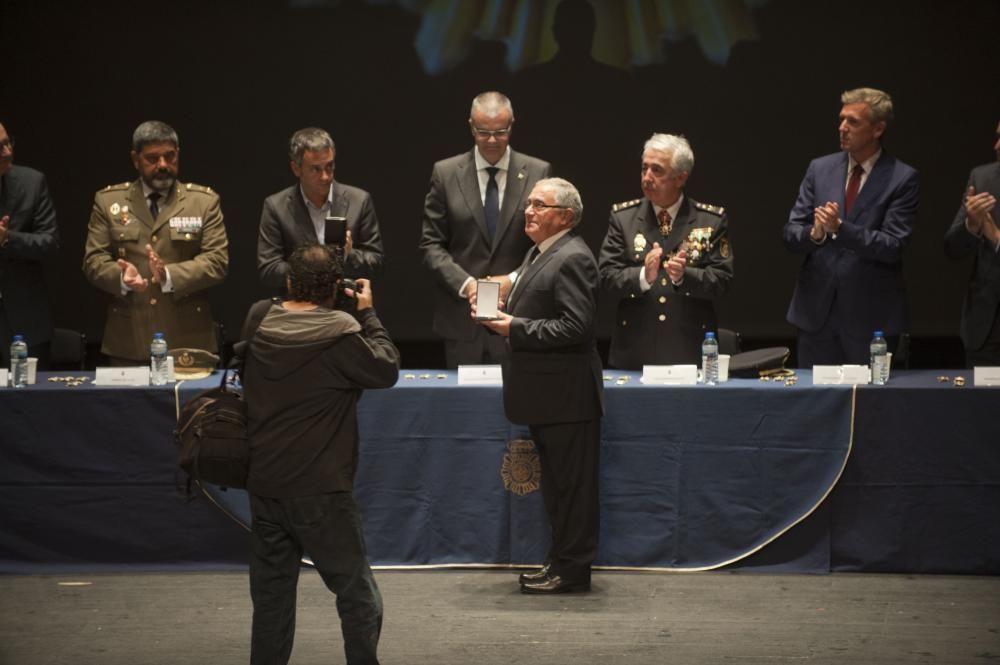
(491, 206)
(154, 207)
(853, 185)
(665, 222)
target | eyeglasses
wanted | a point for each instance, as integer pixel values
(494, 133)
(7, 144)
(540, 205)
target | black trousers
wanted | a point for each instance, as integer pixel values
(328, 528)
(569, 454)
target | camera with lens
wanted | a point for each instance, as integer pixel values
(345, 284)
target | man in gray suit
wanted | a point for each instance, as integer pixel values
(472, 227)
(28, 234)
(298, 214)
(974, 233)
(552, 381)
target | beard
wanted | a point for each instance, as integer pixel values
(161, 181)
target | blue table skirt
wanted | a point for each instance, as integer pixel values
(692, 478)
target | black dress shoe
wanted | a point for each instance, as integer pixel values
(536, 576)
(556, 584)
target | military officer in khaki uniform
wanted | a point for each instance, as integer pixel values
(666, 257)
(155, 245)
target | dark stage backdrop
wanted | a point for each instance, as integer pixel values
(236, 79)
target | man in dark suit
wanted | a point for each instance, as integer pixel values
(666, 257)
(974, 233)
(155, 246)
(853, 216)
(552, 379)
(28, 234)
(472, 227)
(298, 215)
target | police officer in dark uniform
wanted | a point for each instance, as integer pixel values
(667, 258)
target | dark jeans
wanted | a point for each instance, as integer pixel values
(328, 528)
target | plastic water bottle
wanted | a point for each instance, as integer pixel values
(710, 360)
(18, 362)
(158, 360)
(879, 359)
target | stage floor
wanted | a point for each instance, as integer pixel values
(479, 617)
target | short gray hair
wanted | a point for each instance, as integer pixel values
(153, 131)
(491, 104)
(312, 139)
(566, 195)
(681, 156)
(878, 101)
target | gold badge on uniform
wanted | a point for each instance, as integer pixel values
(698, 244)
(521, 469)
(639, 243)
(724, 248)
(115, 208)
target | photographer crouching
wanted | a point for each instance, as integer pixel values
(303, 374)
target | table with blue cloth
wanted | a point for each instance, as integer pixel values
(748, 474)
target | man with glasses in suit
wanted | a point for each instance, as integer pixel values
(472, 227)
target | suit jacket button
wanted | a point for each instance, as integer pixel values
(624, 323)
(663, 281)
(152, 301)
(153, 238)
(663, 317)
(663, 299)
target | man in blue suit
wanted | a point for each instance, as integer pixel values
(28, 236)
(974, 233)
(853, 216)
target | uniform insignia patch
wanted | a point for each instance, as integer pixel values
(521, 469)
(639, 243)
(715, 210)
(115, 208)
(625, 204)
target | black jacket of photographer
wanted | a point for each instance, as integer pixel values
(302, 380)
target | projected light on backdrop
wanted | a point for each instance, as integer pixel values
(625, 33)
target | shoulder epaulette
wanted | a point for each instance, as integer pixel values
(111, 188)
(191, 187)
(625, 204)
(715, 210)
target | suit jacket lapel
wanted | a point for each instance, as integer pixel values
(339, 203)
(138, 206)
(874, 184)
(468, 184)
(513, 192)
(172, 207)
(530, 271)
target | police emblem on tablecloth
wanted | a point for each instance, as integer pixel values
(521, 470)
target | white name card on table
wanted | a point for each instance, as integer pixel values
(986, 376)
(670, 375)
(122, 376)
(480, 375)
(836, 375)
